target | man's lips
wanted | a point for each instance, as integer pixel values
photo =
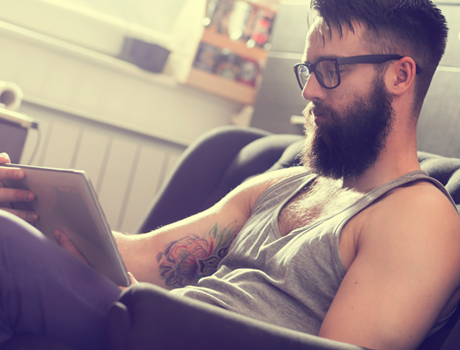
(318, 114)
(319, 118)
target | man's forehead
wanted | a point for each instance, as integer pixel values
(324, 41)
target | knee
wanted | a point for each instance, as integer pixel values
(14, 229)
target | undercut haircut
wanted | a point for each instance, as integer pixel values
(414, 28)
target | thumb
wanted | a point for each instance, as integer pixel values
(64, 242)
(4, 158)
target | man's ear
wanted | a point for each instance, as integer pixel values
(400, 75)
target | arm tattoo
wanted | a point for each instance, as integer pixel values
(186, 260)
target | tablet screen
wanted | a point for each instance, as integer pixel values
(65, 199)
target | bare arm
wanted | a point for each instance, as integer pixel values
(405, 274)
(181, 253)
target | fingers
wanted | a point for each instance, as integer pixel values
(9, 196)
(11, 173)
(132, 279)
(4, 158)
(29, 216)
(64, 241)
(12, 195)
(15, 195)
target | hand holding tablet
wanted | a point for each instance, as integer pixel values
(8, 195)
(66, 200)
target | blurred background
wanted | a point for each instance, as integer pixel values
(116, 87)
(119, 88)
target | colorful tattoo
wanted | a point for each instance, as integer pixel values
(186, 260)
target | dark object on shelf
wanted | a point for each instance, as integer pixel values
(210, 58)
(241, 21)
(12, 139)
(14, 127)
(228, 65)
(248, 72)
(262, 30)
(207, 57)
(148, 56)
(218, 14)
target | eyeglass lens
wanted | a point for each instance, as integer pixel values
(325, 71)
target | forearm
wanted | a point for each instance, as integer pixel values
(129, 247)
(183, 252)
(176, 256)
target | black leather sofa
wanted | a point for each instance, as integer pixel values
(210, 167)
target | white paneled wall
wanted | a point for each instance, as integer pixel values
(125, 127)
(100, 87)
(125, 168)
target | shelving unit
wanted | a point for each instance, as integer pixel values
(187, 43)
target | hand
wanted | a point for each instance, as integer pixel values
(12, 195)
(132, 279)
(64, 242)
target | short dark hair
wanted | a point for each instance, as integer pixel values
(414, 28)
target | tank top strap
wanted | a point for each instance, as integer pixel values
(413, 176)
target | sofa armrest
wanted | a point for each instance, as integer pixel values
(154, 318)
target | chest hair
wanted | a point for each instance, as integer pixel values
(319, 200)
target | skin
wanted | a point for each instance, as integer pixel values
(9, 195)
(401, 254)
(142, 252)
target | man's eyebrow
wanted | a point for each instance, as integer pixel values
(320, 58)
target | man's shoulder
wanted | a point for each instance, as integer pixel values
(413, 210)
(419, 196)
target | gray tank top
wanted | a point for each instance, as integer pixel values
(290, 280)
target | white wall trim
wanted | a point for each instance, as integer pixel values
(61, 46)
(78, 24)
(131, 29)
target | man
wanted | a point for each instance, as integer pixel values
(352, 246)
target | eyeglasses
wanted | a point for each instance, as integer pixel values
(327, 70)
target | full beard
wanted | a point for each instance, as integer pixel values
(348, 143)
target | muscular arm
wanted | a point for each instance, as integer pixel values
(405, 274)
(181, 253)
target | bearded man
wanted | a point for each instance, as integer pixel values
(347, 247)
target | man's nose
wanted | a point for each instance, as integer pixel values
(313, 91)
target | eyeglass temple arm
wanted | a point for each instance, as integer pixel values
(374, 59)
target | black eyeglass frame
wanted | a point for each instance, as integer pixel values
(372, 59)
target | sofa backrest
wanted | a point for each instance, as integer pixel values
(223, 158)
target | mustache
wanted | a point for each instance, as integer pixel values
(319, 109)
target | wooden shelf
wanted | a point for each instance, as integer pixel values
(271, 7)
(187, 41)
(237, 47)
(220, 86)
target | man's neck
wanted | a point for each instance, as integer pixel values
(390, 165)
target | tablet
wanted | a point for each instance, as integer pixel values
(66, 198)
